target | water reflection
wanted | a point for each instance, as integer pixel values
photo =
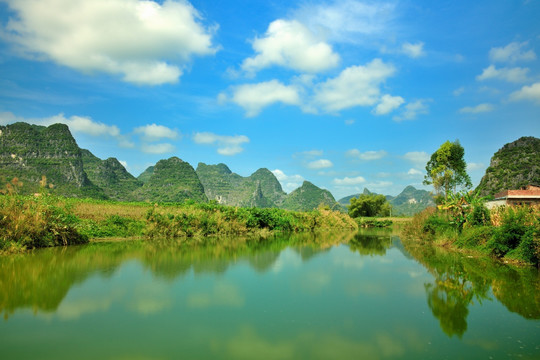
(40, 280)
(461, 280)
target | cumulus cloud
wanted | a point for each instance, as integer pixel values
(320, 164)
(531, 93)
(515, 75)
(347, 181)
(480, 108)
(348, 20)
(475, 166)
(413, 50)
(414, 172)
(418, 157)
(388, 104)
(226, 145)
(290, 44)
(458, 91)
(367, 155)
(354, 86)
(162, 148)
(145, 42)
(288, 182)
(155, 132)
(511, 53)
(76, 124)
(254, 97)
(412, 110)
(311, 153)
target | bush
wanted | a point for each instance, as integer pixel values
(475, 236)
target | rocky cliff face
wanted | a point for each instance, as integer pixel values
(172, 180)
(30, 151)
(111, 176)
(515, 165)
(261, 189)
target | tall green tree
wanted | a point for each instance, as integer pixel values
(446, 169)
(369, 205)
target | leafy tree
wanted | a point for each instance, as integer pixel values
(446, 169)
(369, 205)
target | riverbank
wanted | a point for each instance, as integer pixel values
(511, 234)
(28, 222)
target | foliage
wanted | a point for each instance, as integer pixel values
(369, 205)
(41, 220)
(192, 219)
(371, 222)
(465, 208)
(513, 232)
(446, 169)
(309, 197)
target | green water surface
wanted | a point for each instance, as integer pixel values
(346, 296)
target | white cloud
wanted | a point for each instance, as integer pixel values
(290, 44)
(388, 104)
(143, 41)
(515, 75)
(288, 182)
(349, 122)
(475, 166)
(254, 97)
(511, 53)
(162, 148)
(347, 181)
(414, 172)
(77, 124)
(458, 91)
(348, 20)
(413, 50)
(124, 163)
(226, 145)
(155, 132)
(368, 155)
(418, 157)
(320, 164)
(531, 93)
(354, 86)
(412, 110)
(480, 108)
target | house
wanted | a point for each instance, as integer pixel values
(529, 195)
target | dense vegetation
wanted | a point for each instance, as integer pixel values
(309, 196)
(514, 166)
(511, 233)
(46, 220)
(35, 221)
(461, 220)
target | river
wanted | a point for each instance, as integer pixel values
(340, 296)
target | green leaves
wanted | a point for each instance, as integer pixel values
(369, 205)
(446, 169)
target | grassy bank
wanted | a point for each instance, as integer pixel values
(28, 222)
(509, 233)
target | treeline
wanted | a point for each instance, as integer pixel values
(44, 220)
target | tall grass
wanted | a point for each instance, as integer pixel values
(40, 220)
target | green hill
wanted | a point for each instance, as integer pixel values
(260, 189)
(308, 197)
(172, 180)
(111, 176)
(515, 165)
(30, 151)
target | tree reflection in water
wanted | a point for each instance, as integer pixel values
(460, 280)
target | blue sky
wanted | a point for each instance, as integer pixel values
(345, 94)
